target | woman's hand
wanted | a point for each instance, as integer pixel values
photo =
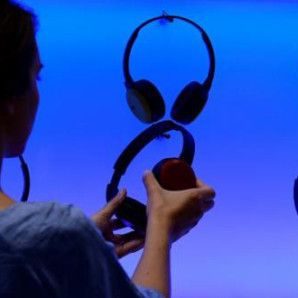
(177, 211)
(125, 243)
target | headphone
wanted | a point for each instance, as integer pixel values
(296, 194)
(171, 173)
(26, 176)
(144, 99)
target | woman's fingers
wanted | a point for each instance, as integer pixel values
(206, 193)
(206, 190)
(102, 217)
(112, 205)
(129, 247)
(128, 243)
(206, 206)
(200, 183)
(133, 235)
(116, 224)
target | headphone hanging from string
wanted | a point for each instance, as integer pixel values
(143, 97)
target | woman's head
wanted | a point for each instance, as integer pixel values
(19, 68)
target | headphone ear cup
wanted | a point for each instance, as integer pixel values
(190, 103)
(145, 101)
(133, 214)
(174, 174)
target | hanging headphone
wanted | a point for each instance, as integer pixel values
(26, 175)
(296, 194)
(26, 178)
(144, 99)
(171, 173)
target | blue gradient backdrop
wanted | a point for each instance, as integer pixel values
(247, 145)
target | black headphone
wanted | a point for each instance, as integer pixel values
(296, 194)
(26, 176)
(171, 173)
(144, 99)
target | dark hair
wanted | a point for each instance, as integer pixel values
(17, 48)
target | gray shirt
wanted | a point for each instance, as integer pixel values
(50, 250)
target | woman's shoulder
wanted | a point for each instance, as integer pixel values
(40, 224)
(31, 213)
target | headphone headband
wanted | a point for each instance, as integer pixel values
(208, 81)
(140, 142)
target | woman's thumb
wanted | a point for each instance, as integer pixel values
(150, 182)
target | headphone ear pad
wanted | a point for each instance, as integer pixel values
(190, 103)
(174, 174)
(133, 214)
(145, 101)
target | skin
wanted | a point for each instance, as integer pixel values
(124, 243)
(17, 117)
(171, 214)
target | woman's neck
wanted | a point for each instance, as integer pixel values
(5, 200)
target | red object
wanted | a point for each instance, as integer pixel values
(176, 174)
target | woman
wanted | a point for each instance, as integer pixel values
(53, 250)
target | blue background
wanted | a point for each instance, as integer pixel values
(247, 145)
